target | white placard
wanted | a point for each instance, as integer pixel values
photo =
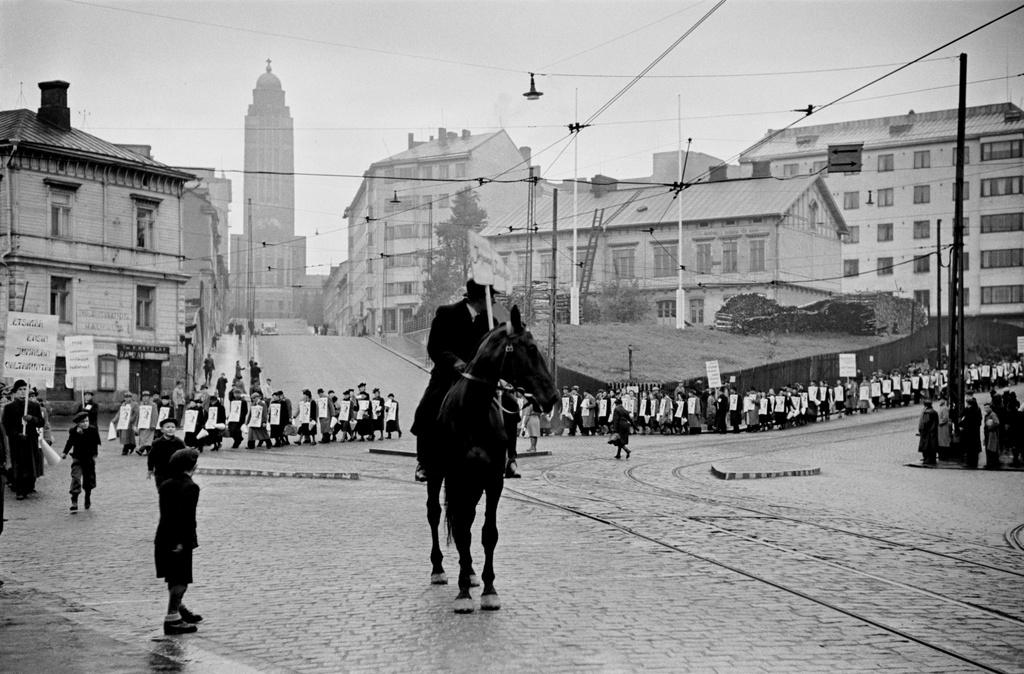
(680, 410)
(733, 402)
(124, 417)
(665, 402)
(211, 419)
(235, 415)
(145, 416)
(164, 413)
(780, 403)
(275, 414)
(80, 356)
(322, 407)
(886, 386)
(692, 406)
(1020, 344)
(362, 407)
(344, 408)
(602, 408)
(392, 411)
(191, 420)
(763, 407)
(375, 406)
(906, 387)
(864, 392)
(714, 374)
(255, 416)
(630, 405)
(304, 408)
(838, 393)
(488, 268)
(812, 391)
(30, 348)
(847, 365)
(566, 410)
(876, 389)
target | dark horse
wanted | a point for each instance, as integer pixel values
(475, 426)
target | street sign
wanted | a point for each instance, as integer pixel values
(714, 374)
(30, 350)
(845, 158)
(847, 365)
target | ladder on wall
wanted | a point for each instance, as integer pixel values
(596, 229)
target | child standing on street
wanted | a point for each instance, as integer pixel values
(83, 444)
(176, 539)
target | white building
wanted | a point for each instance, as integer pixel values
(905, 194)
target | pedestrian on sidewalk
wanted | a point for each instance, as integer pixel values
(993, 427)
(84, 446)
(531, 417)
(208, 369)
(928, 430)
(238, 369)
(127, 422)
(5, 466)
(176, 539)
(945, 435)
(163, 449)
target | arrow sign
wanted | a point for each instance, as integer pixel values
(845, 158)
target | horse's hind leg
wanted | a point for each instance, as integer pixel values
(437, 574)
(489, 600)
(464, 512)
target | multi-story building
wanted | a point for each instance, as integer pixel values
(900, 206)
(392, 216)
(91, 232)
(776, 238)
(337, 310)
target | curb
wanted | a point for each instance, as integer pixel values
(245, 472)
(952, 465)
(406, 452)
(404, 357)
(732, 475)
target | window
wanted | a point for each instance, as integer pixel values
(923, 159)
(1002, 294)
(885, 231)
(922, 264)
(790, 169)
(145, 301)
(390, 318)
(854, 235)
(967, 261)
(666, 309)
(819, 166)
(697, 311)
(442, 171)
(967, 191)
(60, 213)
(967, 155)
(401, 260)
(545, 265)
(664, 260)
(60, 298)
(885, 266)
(885, 197)
(967, 297)
(144, 226)
(757, 255)
(924, 298)
(999, 187)
(622, 262)
(1003, 222)
(400, 288)
(993, 259)
(922, 229)
(922, 194)
(703, 258)
(729, 262)
(885, 163)
(106, 371)
(851, 267)
(851, 200)
(460, 170)
(1004, 149)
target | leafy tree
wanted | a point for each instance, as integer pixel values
(623, 302)
(450, 266)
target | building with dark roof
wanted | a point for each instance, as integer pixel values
(91, 231)
(900, 206)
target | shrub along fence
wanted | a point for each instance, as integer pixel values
(983, 338)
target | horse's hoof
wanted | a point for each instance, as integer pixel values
(490, 602)
(464, 605)
(439, 578)
(474, 581)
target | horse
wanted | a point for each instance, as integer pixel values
(476, 425)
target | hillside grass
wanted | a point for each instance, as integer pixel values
(662, 353)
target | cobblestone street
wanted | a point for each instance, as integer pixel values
(603, 565)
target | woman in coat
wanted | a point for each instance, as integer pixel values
(235, 427)
(970, 432)
(992, 425)
(126, 436)
(945, 436)
(531, 419)
(257, 421)
(621, 425)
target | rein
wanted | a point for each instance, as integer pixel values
(500, 385)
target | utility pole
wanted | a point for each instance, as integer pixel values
(530, 217)
(250, 293)
(938, 294)
(552, 330)
(956, 264)
(574, 289)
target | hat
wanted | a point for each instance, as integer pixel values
(475, 291)
(376, 390)
(362, 385)
(575, 388)
(21, 383)
(145, 393)
(80, 417)
(168, 420)
(183, 460)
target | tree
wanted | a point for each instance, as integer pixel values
(623, 302)
(449, 268)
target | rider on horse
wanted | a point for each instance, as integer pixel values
(454, 335)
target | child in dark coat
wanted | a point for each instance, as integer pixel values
(176, 539)
(83, 444)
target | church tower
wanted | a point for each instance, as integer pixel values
(276, 255)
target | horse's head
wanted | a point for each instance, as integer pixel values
(520, 361)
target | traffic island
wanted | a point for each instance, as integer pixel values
(753, 470)
(301, 474)
(412, 452)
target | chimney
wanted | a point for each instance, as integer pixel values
(719, 173)
(762, 169)
(466, 134)
(452, 135)
(412, 143)
(53, 106)
(602, 184)
(442, 134)
(526, 152)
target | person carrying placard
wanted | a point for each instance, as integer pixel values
(127, 422)
(256, 421)
(148, 412)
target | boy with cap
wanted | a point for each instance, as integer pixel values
(162, 450)
(84, 445)
(176, 538)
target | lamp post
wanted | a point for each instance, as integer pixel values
(186, 339)
(630, 347)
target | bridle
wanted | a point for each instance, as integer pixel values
(501, 384)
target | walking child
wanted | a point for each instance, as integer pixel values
(83, 444)
(176, 539)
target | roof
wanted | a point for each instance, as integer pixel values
(27, 129)
(706, 201)
(912, 128)
(436, 149)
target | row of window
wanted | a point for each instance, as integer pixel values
(401, 288)
(990, 187)
(989, 295)
(667, 309)
(62, 210)
(990, 259)
(61, 290)
(432, 171)
(406, 231)
(1003, 149)
(990, 224)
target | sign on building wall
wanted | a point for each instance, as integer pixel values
(143, 352)
(30, 349)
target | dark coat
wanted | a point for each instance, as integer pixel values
(84, 445)
(160, 455)
(928, 429)
(970, 434)
(622, 423)
(451, 345)
(25, 455)
(179, 496)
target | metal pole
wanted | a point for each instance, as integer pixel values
(530, 217)
(956, 289)
(250, 299)
(938, 294)
(630, 347)
(574, 289)
(553, 331)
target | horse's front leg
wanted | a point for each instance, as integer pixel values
(489, 600)
(462, 524)
(437, 574)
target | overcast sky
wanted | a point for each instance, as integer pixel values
(359, 76)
